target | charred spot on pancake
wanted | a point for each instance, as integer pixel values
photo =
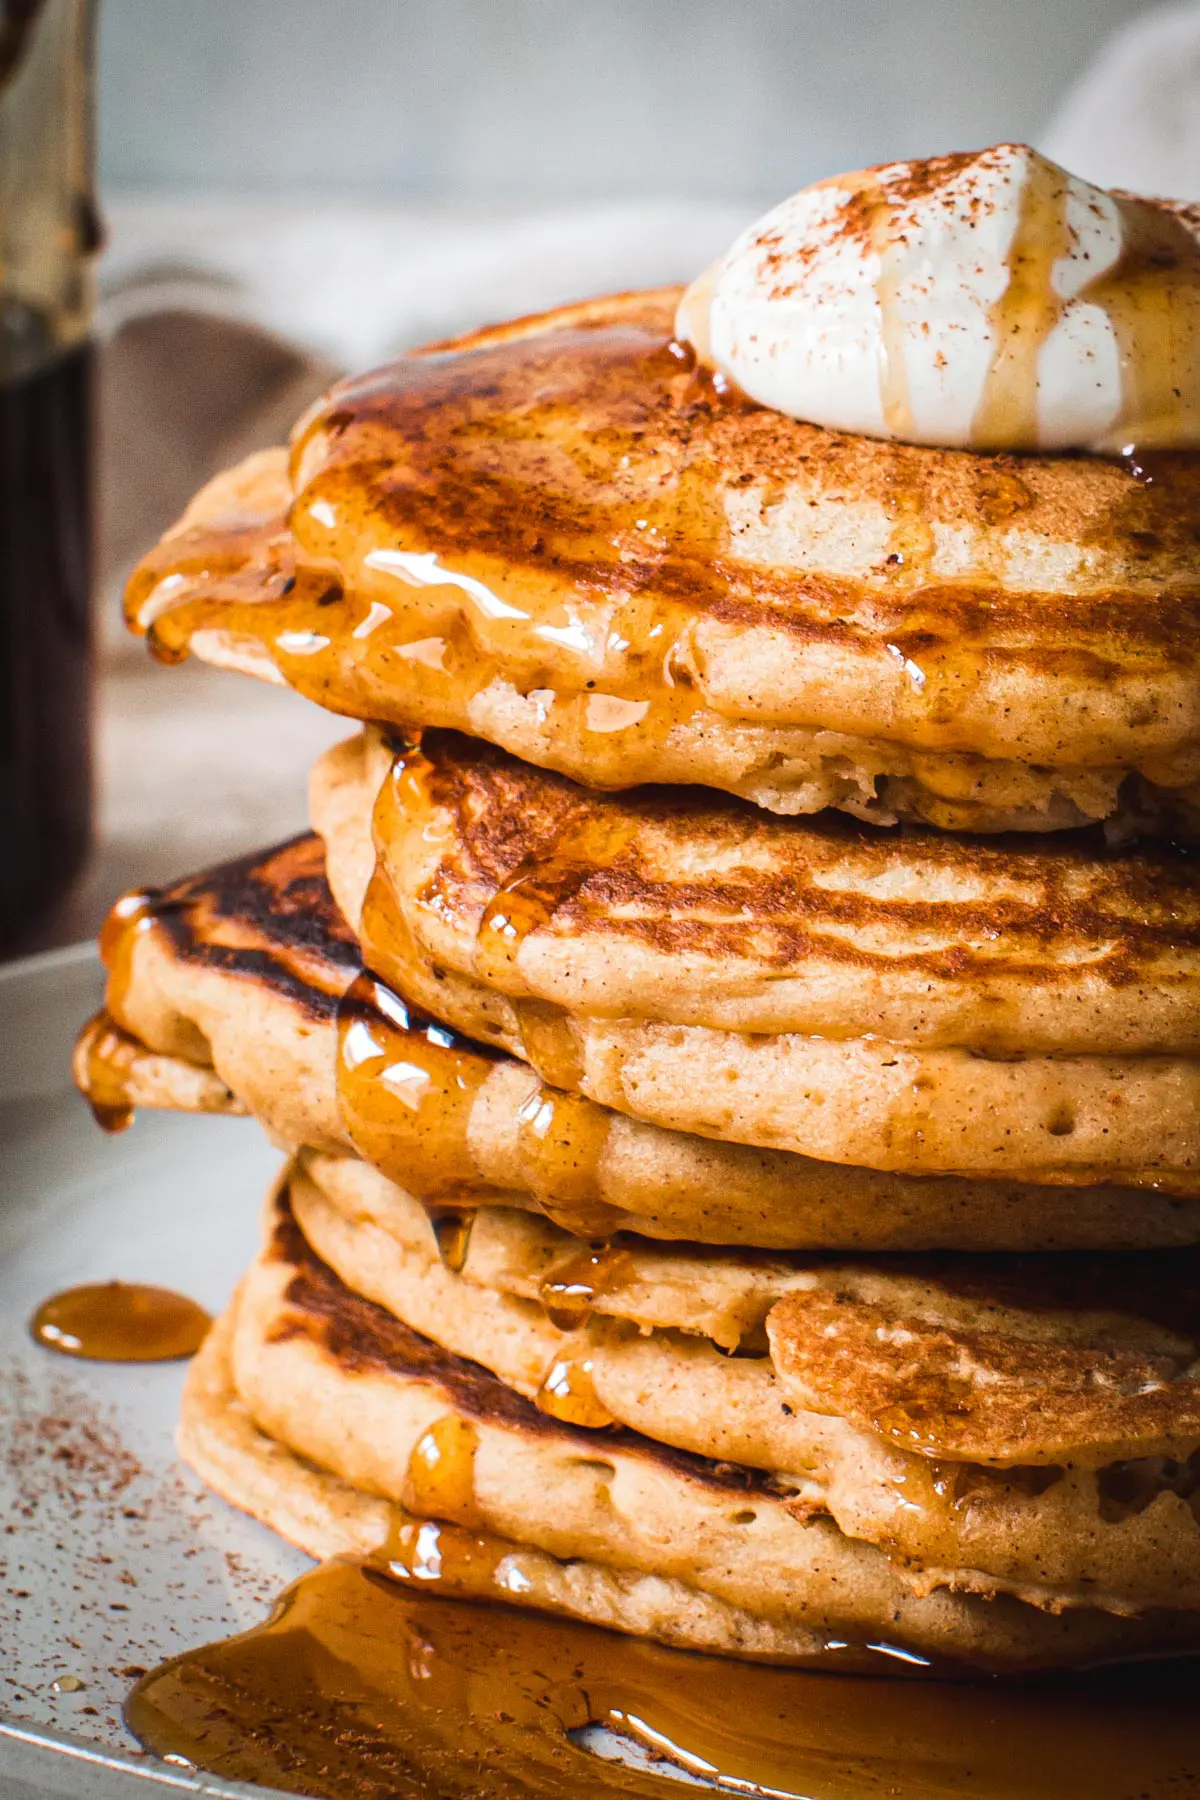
(505, 811)
(363, 1337)
(268, 918)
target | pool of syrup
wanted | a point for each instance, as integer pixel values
(45, 636)
(120, 1321)
(362, 1688)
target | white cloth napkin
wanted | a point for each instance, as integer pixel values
(352, 281)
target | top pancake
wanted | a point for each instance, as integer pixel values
(559, 535)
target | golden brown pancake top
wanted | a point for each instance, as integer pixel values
(570, 503)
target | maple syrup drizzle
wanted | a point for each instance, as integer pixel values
(108, 1050)
(480, 574)
(570, 1291)
(119, 1321)
(368, 1683)
(568, 1392)
(440, 1477)
(451, 1228)
(893, 374)
(549, 1042)
(406, 1089)
(562, 1141)
(1025, 314)
(1151, 297)
(524, 903)
(407, 1085)
(132, 914)
(106, 1060)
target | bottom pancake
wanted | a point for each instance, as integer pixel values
(342, 1384)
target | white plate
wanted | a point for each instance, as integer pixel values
(112, 1556)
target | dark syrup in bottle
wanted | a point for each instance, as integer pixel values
(45, 634)
(48, 235)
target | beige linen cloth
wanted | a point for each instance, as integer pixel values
(1132, 119)
(220, 320)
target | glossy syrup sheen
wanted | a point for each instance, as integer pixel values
(1025, 314)
(406, 1089)
(523, 902)
(367, 1685)
(108, 1053)
(132, 914)
(106, 1059)
(364, 1684)
(407, 1085)
(120, 1321)
(544, 513)
(1150, 297)
(540, 515)
(473, 563)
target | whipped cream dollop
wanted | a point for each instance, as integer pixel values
(988, 301)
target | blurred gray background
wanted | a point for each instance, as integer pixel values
(553, 99)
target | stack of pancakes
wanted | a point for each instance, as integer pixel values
(725, 1201)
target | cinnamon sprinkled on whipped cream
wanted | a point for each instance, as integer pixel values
(986, 301)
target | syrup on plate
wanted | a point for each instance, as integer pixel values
(120, 1321)
(367, 1684)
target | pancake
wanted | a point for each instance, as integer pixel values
(227, 989)
(905, 1002)
(326, 1516)
(561, 536)
(344, 1385)
(1078, 1486)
